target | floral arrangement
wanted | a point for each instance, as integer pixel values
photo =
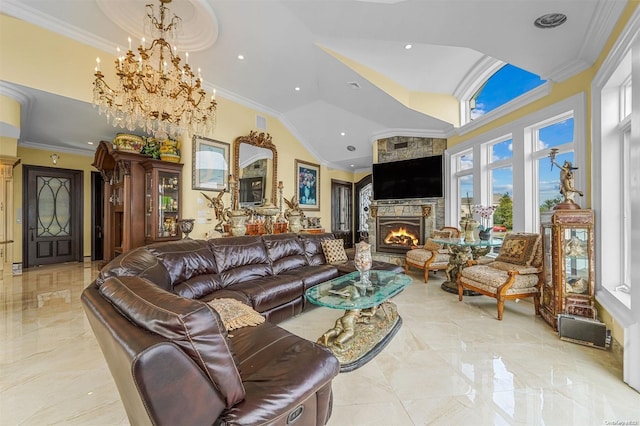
(485, 213)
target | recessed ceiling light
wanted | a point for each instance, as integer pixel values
(351, 148)
(550, 20)
(297, 89)
(241, 57)
(352, 165)
(90, 143)
(342, 133)
(408, 46)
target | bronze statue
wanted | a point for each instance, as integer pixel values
(293, 206)
(567, 188)
(218, 207)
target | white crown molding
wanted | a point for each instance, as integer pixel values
(26, 103)
(567, 70)
(412, 133)
(515, 104)
(618, 51)
(604, 19)
(28, 14)
(89, 152)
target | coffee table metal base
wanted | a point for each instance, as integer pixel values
(358, 336)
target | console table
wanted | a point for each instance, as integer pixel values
(370, 319)
(460, 252)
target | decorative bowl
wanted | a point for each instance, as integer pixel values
(128, 143)
(172, 158)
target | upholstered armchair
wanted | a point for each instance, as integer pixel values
(431, 256)
(514, 274)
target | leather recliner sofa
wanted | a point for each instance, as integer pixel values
(170, 355)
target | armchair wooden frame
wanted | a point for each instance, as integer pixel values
(501, 294)
(427, 265)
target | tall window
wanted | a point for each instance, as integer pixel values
(616, 181)
(501, 184)
(464, 182)
(557, 134)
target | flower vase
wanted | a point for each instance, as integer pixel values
(469, 227)
(485, 234)
(363, 261)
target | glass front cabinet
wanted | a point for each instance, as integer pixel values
(568, 286)
(162, 200)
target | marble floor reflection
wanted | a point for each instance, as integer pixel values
(451, 363)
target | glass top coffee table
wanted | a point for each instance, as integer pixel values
(370, 319)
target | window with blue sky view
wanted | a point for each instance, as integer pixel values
(504, 85)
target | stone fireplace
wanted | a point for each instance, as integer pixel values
(399, 234)
(417, 215)
(421, 215)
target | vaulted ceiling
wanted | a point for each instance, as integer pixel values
(347, 57)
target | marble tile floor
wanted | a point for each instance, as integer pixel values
(451, 363)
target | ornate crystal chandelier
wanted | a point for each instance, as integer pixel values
(153, 91)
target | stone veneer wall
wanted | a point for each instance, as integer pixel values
(398, 148)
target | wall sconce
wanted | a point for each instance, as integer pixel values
(54, 158)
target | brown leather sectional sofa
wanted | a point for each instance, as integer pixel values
(172, 358)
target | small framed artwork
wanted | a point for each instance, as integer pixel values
(308, 184)
(210, 164)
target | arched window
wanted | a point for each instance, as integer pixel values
(504, 85)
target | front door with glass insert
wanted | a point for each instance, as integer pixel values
(53, 216)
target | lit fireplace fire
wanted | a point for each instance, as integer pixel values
(401, 237)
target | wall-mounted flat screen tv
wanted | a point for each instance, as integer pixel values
(415, 178)
(251, 191)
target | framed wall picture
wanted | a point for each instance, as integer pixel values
(210, 164)
(308, 184)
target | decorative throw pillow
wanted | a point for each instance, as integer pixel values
(235, 314)
(519, 248)
(334, 251)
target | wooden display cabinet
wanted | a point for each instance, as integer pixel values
(123, 199)
(568, 286)
(162, 200)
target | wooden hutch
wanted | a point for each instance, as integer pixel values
(129, 214)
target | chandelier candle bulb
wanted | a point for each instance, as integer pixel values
(129, 39)
(97, 64)
(186, 61)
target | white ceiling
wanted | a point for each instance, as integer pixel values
(285, 42)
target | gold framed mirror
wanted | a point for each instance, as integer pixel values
(255, 156)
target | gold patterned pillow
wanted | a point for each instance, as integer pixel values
(519, 248)
(334, 251)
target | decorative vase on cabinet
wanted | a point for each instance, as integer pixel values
(569, 275)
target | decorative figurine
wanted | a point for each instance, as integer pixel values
(218, 207)
(567, 189)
